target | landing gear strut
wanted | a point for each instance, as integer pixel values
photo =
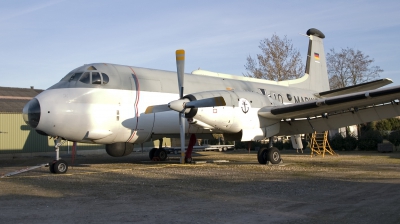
(58, 165)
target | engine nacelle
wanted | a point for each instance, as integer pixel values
(239, 113)
(119, 149)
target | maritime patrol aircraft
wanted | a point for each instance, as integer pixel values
(120, 106)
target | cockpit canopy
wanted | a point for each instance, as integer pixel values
(91, 76)
(98, 76)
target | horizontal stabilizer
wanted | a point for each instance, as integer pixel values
(356, 88)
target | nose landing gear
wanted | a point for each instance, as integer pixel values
(58, 166)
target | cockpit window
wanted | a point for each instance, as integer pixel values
(92, 77)
(105, 78)
(85, 78)
(96, 78)
(75, 76)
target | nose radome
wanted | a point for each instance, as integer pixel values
(31, 113)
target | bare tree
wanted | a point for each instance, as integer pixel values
(278, 61)
(350, 67)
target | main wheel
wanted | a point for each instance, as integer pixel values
(262, 155)
(188, 160)
(60, 166)
(273, 155)
(151, 153)
(161, 153)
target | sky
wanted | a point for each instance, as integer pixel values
(42, 40)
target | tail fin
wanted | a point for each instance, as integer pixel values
(316, 77)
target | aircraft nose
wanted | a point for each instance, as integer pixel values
(31, 113)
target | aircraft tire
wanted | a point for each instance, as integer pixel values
(51, 166)
(261, 155)
(273, 155)
(151, 153)
(161, 154)
(60, 166)
(188, 160)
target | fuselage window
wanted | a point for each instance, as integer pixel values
(280, 98)
(105, 78)
(96, 78)
(85, 78)
(289, 97)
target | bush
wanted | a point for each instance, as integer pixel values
(349, 143)
(305, 143)
(336, 142)
(253, 145)
(278, 145)
(394, 138)
(369, 140)
(287, 145)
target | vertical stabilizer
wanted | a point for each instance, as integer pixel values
(316, 77)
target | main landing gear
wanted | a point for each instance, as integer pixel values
(158, 154)
(271, 155)
(58, 165)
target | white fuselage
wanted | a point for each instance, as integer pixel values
(115, 111)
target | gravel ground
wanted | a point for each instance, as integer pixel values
(355, 187)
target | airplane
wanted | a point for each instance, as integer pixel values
(120, 106)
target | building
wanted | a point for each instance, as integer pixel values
(18, 137)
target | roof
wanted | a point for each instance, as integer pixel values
(14, 99)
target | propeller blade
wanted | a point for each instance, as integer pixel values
(208, 102)
(180, 67)
(184, 104)
(182, 121)
(157, 108)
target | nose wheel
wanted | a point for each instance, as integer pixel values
(58, 166)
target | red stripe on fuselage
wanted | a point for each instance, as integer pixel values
(136, 80)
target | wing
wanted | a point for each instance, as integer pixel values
(334, 112)
(356, 88)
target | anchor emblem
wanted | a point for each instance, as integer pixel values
(244, 105)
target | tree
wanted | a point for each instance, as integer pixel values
(350, 67)
(278, 61)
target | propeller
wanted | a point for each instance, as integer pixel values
(180, 68)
